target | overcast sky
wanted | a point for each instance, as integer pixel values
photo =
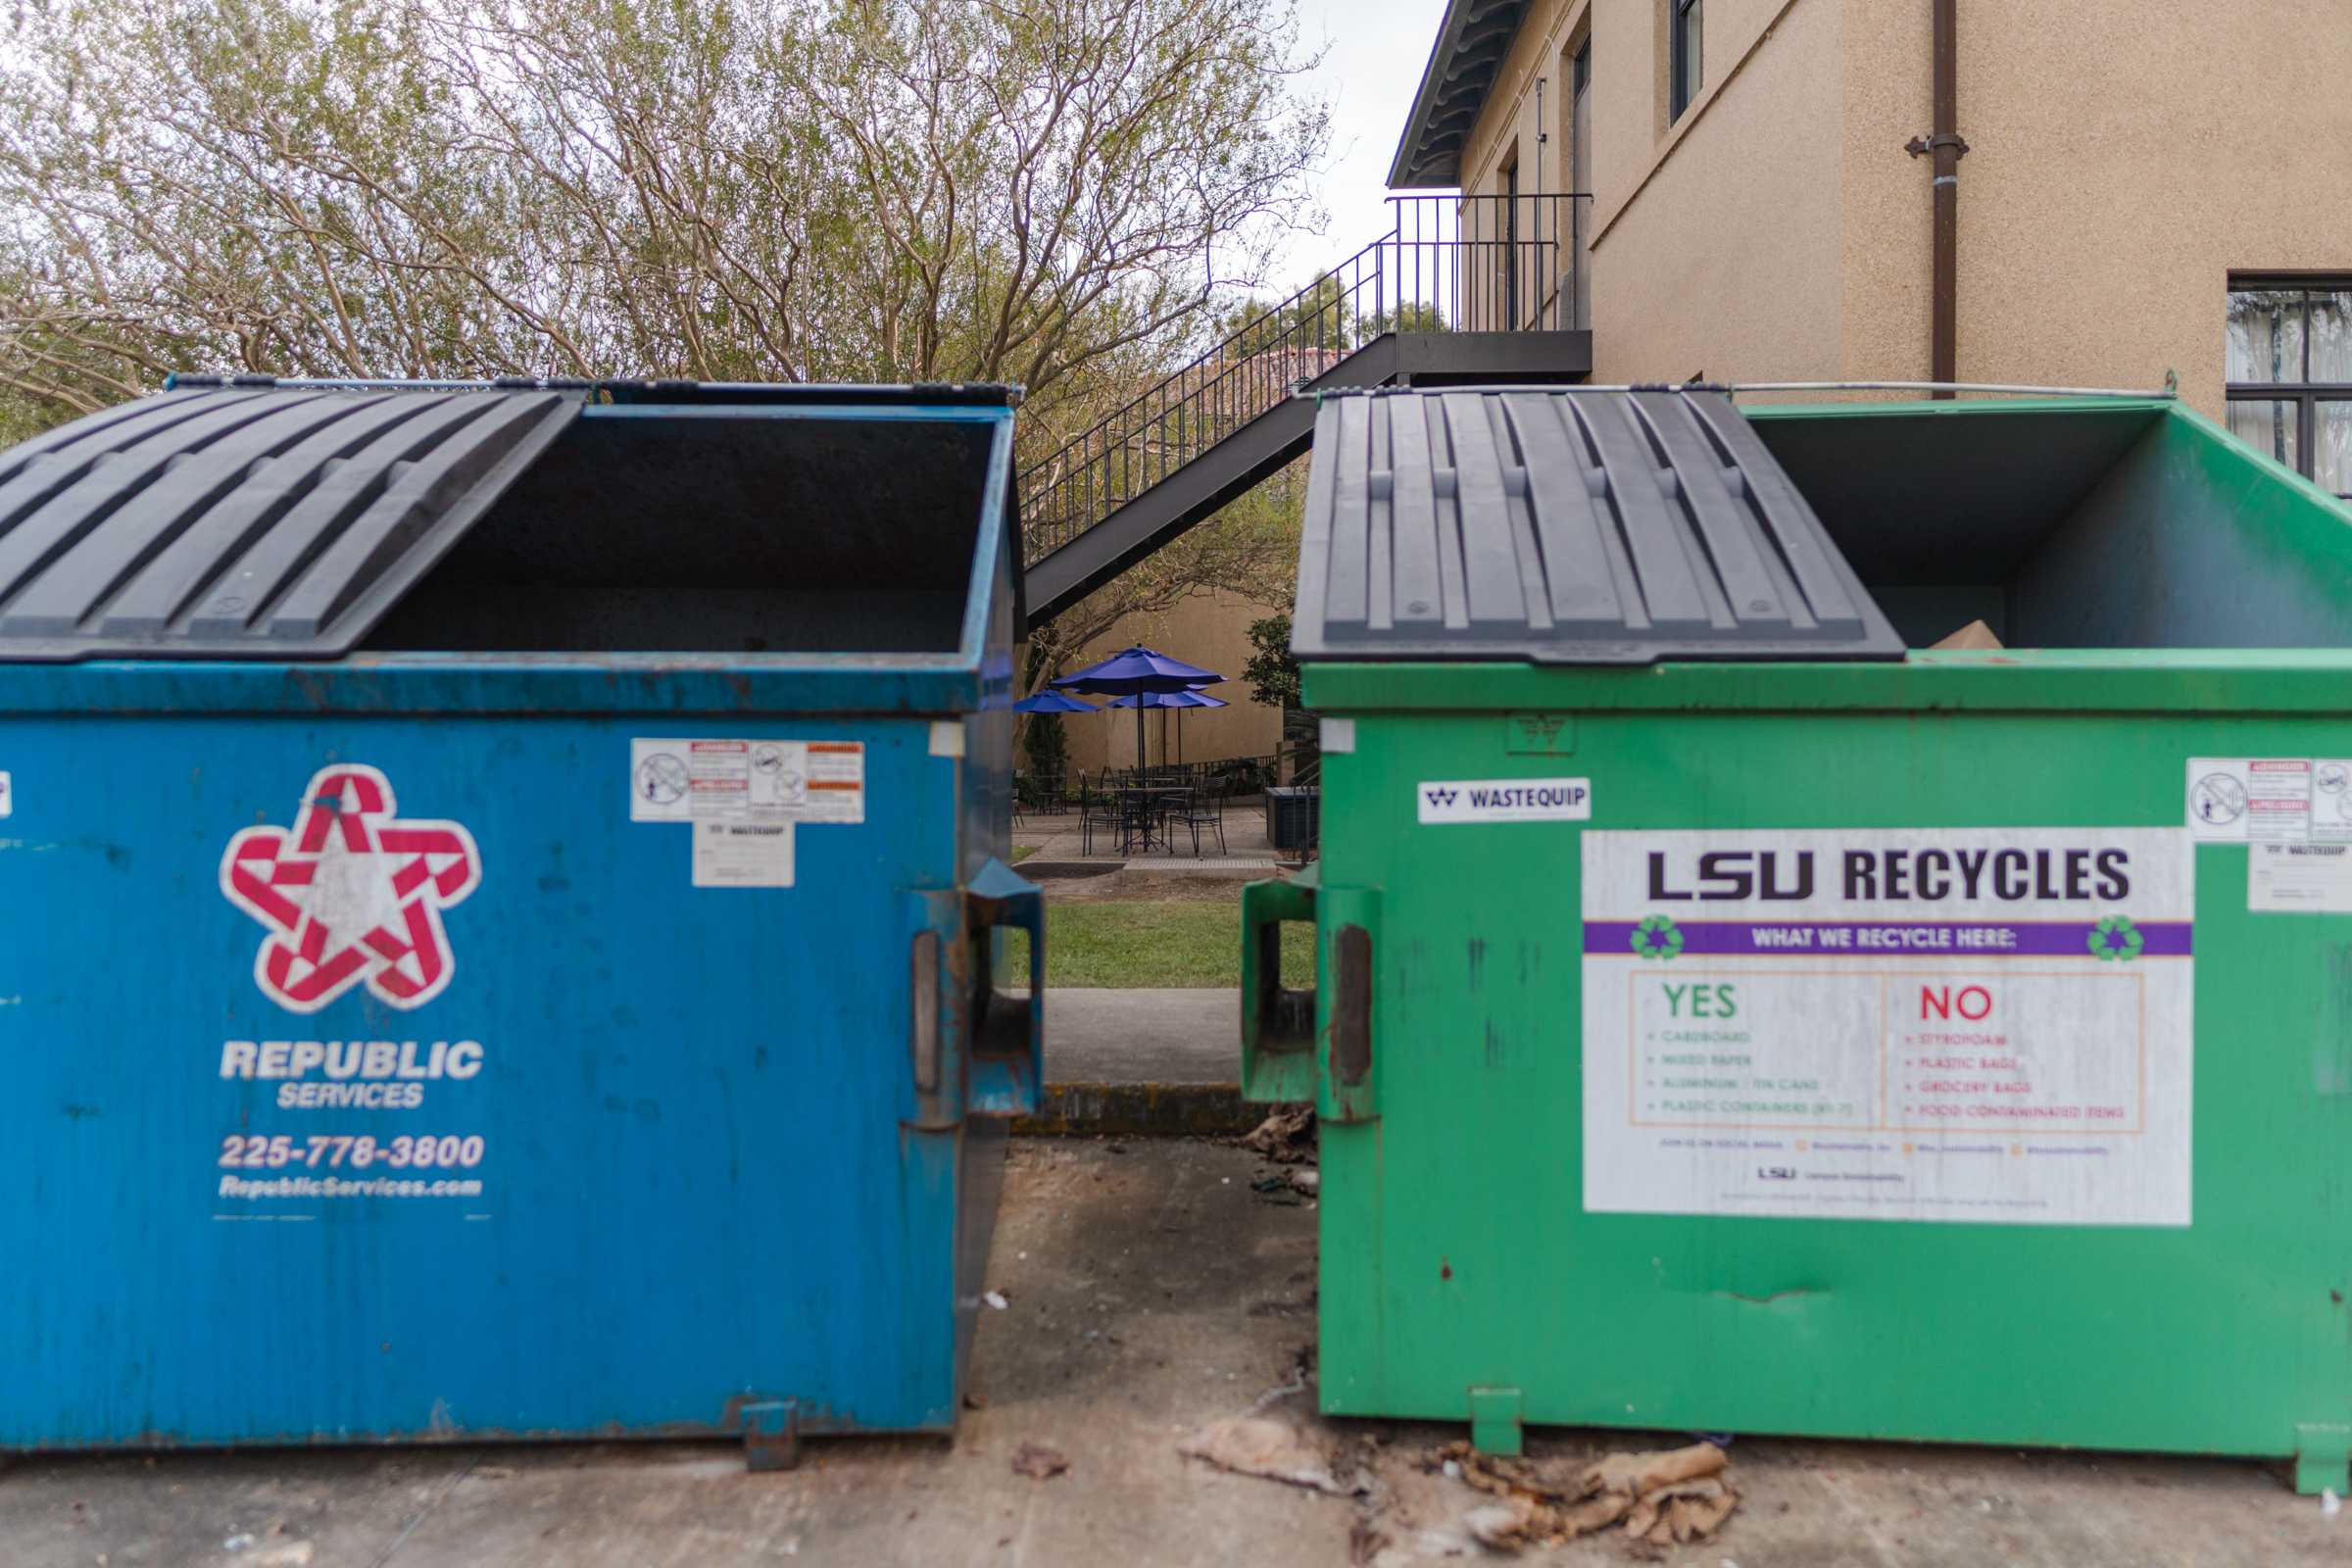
(1377, 48)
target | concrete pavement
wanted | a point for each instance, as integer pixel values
(1143, 1035)
(1150, 1290)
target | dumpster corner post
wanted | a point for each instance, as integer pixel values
(771, 1435)
(1495, 1426)
(2323, 1459)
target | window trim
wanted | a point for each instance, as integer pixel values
(1683, 52)
(2306, 396)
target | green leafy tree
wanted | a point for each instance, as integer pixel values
(1047, 744)
(1272, 673)
(1053, 192)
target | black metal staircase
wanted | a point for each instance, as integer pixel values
(1461, 290)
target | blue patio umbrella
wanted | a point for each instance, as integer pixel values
(1183, 699)
(1052, 701)
(1179, 701)
(1135, 672)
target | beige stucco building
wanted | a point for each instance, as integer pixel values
(2149, 189)
(1758, 217)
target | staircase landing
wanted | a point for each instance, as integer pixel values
(1226, 471)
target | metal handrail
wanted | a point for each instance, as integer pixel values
(1447, 263)
(2003, 388)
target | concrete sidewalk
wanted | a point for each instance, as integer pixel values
(1150, 1290)
(1143, 1036)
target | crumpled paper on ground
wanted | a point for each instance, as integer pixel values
(1659, 1500)
(1285, 1137)
(1268, 1447)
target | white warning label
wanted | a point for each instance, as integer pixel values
(2271, 800)
(2299, 879)
(743, 854)
(744, 781)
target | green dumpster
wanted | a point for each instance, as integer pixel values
(1730, 1015)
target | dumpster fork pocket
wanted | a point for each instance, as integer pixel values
(972, 1047)
(1007, 1033)
(1278, 1020)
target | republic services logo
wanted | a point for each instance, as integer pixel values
(352, 894)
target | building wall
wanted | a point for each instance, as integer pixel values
(1716, 241)
(2126, 156)
(1211, 630)
(2124, 159)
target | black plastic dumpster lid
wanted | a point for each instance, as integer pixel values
(1565, 527)
(248, 520)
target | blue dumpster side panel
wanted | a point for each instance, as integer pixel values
(696, 1191)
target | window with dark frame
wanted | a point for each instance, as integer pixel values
(2289, 343)
(1687, 26)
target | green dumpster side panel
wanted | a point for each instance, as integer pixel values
(1456, 1251)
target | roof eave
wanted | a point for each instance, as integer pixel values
(1416, 166)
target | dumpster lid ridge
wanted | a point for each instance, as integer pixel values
(250, 519)
(1566, 527)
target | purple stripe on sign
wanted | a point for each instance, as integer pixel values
(1880, 939)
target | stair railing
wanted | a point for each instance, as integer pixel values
(1446, 263)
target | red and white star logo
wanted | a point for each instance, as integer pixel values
(352, 894)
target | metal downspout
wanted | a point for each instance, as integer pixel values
(1947, 148)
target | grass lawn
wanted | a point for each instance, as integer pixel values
(1022, 852)
(1157, 944)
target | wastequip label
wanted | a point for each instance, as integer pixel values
(352, 895)
(1503, 799)
(1986, 1025)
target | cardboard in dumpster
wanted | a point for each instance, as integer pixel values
(1974, 635)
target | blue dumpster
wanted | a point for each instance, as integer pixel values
(502, 889)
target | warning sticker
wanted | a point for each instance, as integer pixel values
(747, 781)
(1982, 1025)
(743, 854)
(2271, 800)
(8, 794)
(2299, 879)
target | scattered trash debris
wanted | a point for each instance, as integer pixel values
(1366, 1541)
(1275, 1188)
(1039, 1462)
(2330, 1503)
(995, 1298)
(1296, 1382)
(1285, 1137)
(236, 1542)
(974, 1400)
(1264, 1445)
(1308, 1181)
(1661, 1499)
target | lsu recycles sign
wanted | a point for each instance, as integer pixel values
(1990, 1025)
